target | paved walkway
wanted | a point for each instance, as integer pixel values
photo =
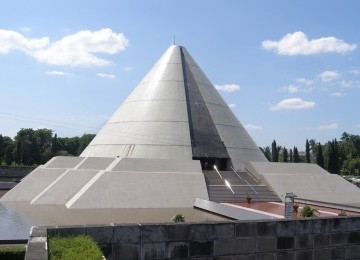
(277, 209)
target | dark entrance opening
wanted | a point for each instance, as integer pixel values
(207, 164)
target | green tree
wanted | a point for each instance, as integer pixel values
(291, 156)
(296, 158)
(285, 155)
(307, 151)
(320, 156)
(85, 139)
(333, 157)
(274, 152)
(55, 146)
(266, 151)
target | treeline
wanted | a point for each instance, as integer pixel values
(35, 147)
(340, 157)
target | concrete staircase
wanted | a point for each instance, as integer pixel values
(242, 183)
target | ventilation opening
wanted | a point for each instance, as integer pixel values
(207, 164)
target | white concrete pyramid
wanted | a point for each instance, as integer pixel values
(176, 113)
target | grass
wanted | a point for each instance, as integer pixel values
(74, 248)
(12, 253)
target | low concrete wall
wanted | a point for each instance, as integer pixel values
(15, 171)
(318, 238)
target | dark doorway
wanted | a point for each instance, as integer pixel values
(207, 163)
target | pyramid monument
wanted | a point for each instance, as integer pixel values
(175, 112)
(154, 158)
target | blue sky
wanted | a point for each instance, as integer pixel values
(290, 70)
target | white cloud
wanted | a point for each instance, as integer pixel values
(108, 76)
(304, 81)
(228, 87)
(253, 127)
(57, 73)
(25, 29)
(337, 94)
(297, 43)
(79, 49)
(11, 40)
(232, 105)
(293, 104)
(329, 75)
(127, 69)
(358, 125)
(355, 72)
(328, 126)
(290, 89)
(350, 83)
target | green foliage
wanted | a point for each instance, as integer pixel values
(285, 155)
(333, 157)
(34, 147)
(274, 152)
(291, 159)
(266, 151)
(296, 156)
(178, 218)
(308, 212)
(12, 253)
(307, 151)
(320, 156)
(75, 247)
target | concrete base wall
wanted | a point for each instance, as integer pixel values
(327, 238)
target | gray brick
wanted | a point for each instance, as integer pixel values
(245, 245)
(338, 238)
(322, 226)
(178, 250)
(36, 255)
(337, 252)
(227, 257)
(224, 230)
(266, 256)
(285, 228)
(304, 227)
(267, 228)
(285, 255)
(338, 225)
(354, 237)
(152, 233)
(353, 224)
(224, 247)
(65, 231)
(178, 232)
(38, 232)
(201, 248)
(101, 234)
(202, 232)
(285, 243)
(126, 234)
(245, 229)
(266, 244)
(322, 254)
(153, 251)
(304, 241)
(352, 252)
(245, 257)
(52, 232)
(321, 240)
(304, 255)
(126, 251)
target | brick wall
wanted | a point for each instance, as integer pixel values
(318, 238)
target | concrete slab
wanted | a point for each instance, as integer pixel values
(66, 187)
(32, 185)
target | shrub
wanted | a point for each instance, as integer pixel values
(75, 247)
(178, 218)
(12, 253)
(308, 212)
